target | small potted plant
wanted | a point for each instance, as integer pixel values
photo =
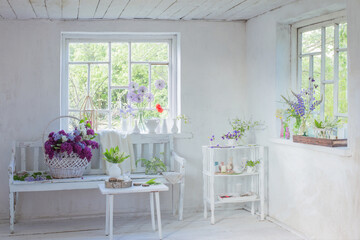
(251, 166)
(324, 129)
(115, 158)
(232, 137)
(152, 166)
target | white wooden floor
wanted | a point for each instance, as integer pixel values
(237, 224)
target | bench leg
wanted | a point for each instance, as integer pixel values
(107, 216)
(16, 206)
(174, 205)
(181, 200)
(12, 212)
(152, 211)
(157, 200)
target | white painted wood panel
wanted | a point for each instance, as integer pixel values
(159, 9)
(202, 11)
(187, 8)
(39, 8)
(70, 9)
(6, 11)
(102, 8)
(222, 9)
(54, 9)
(23, 9)
(138, 8)
(115, 9)
(87, 8)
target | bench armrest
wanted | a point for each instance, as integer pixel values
(180, 160)
(11, 169)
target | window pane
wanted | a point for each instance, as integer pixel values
(343, 103)
(120, 64)
(329, 53)
(343, 35)
(329, 100)
(103, 121)
(72, 123)
(311, 41)
(118, 101)
(79, 52)
(156, 52)
(160, 95)
(77, 85)
(305, 72)
(317, 69)
(140, 74)
(99, 85)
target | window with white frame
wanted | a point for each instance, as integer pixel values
(102, 66)
(322, 56)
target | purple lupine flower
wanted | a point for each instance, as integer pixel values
(149, 97)
(138, 99)
(133, 86)
(159, 84)
(142, 90)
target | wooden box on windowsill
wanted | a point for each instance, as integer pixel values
(320, 141)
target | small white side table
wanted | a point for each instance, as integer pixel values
(109, 192)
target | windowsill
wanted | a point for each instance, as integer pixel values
(184, 135)
(339, 151)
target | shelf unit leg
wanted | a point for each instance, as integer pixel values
(262, 185)
(252, 190)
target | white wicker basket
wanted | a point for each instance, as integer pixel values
(63, 165)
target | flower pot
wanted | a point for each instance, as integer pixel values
(174, 128)
(114, 171)
(250, 169)
(136, 129)
(231, 142)
(124, 125)
(164, 129)
(152, 124)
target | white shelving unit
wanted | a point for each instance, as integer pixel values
(238, 156)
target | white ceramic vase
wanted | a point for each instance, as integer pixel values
(114, 171)
(231, 142)
(124, 125)
(152, 124)
(136, 129)
(174, 128)
(164, 129)
(250, 169)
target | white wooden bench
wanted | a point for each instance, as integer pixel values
(28, 156)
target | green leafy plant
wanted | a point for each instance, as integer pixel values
(113, 155)
(252, 163)
(328, 123)
(152, 182)
(244, 125)
(184, 118)
(152, 166)
(36, 176)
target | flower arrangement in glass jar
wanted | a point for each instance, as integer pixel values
(301, 107)
(78, 141)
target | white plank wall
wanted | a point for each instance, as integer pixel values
(39, 8)
(137, 9)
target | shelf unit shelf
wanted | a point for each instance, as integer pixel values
(256, 179)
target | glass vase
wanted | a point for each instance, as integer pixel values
(142, 124)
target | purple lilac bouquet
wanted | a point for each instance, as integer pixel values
(78, 141)
(302, 106)
(232, 135)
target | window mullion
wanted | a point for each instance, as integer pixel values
(109, 87)
(323, 59)
(299, 61)
(88, 80)
(149, 83)
(336, 68)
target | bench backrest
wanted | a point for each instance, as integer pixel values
(29, 156)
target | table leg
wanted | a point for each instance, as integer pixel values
(107, 216)
(111, 209)
(157, 200)
(152, 210)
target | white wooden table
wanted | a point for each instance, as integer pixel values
(153, 189)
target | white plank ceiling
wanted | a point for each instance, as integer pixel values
(220, 10)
